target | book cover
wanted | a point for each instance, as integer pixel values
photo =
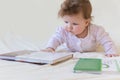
(88, 64)
(98, 65)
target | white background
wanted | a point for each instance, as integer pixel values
(37, 19)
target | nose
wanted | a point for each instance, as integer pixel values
(69, 27)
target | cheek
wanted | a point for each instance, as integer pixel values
(66, 28)
(78, 29)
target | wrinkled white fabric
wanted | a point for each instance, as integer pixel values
(11, 42)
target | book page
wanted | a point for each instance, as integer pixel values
(111, 64)
(44, 55)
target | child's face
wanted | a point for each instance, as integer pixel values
(75, 24)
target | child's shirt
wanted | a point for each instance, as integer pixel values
(96, 36)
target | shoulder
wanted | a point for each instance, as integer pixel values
(96, 28)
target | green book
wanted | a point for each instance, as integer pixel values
(88, 64)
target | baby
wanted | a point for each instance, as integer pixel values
(78, 33)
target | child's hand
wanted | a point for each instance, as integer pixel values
(112, 55)
(48, 50)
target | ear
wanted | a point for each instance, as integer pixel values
(87, 22)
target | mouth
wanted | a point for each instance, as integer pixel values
(71, 32)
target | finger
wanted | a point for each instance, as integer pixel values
(108, 55)
(115, 55)
(112, 55)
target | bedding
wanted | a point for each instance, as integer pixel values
(10, 70)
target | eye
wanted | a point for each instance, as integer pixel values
(66, 21)
(75, 24)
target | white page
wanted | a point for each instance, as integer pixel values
(44, 55)
(111, 64)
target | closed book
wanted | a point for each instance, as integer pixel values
(88, 65)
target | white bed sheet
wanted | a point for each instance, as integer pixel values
(10, 70)
(64, 71)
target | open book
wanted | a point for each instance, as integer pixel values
(36, 56)
(111, 64)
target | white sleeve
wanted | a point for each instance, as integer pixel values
(57, 39)
(105, 40)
